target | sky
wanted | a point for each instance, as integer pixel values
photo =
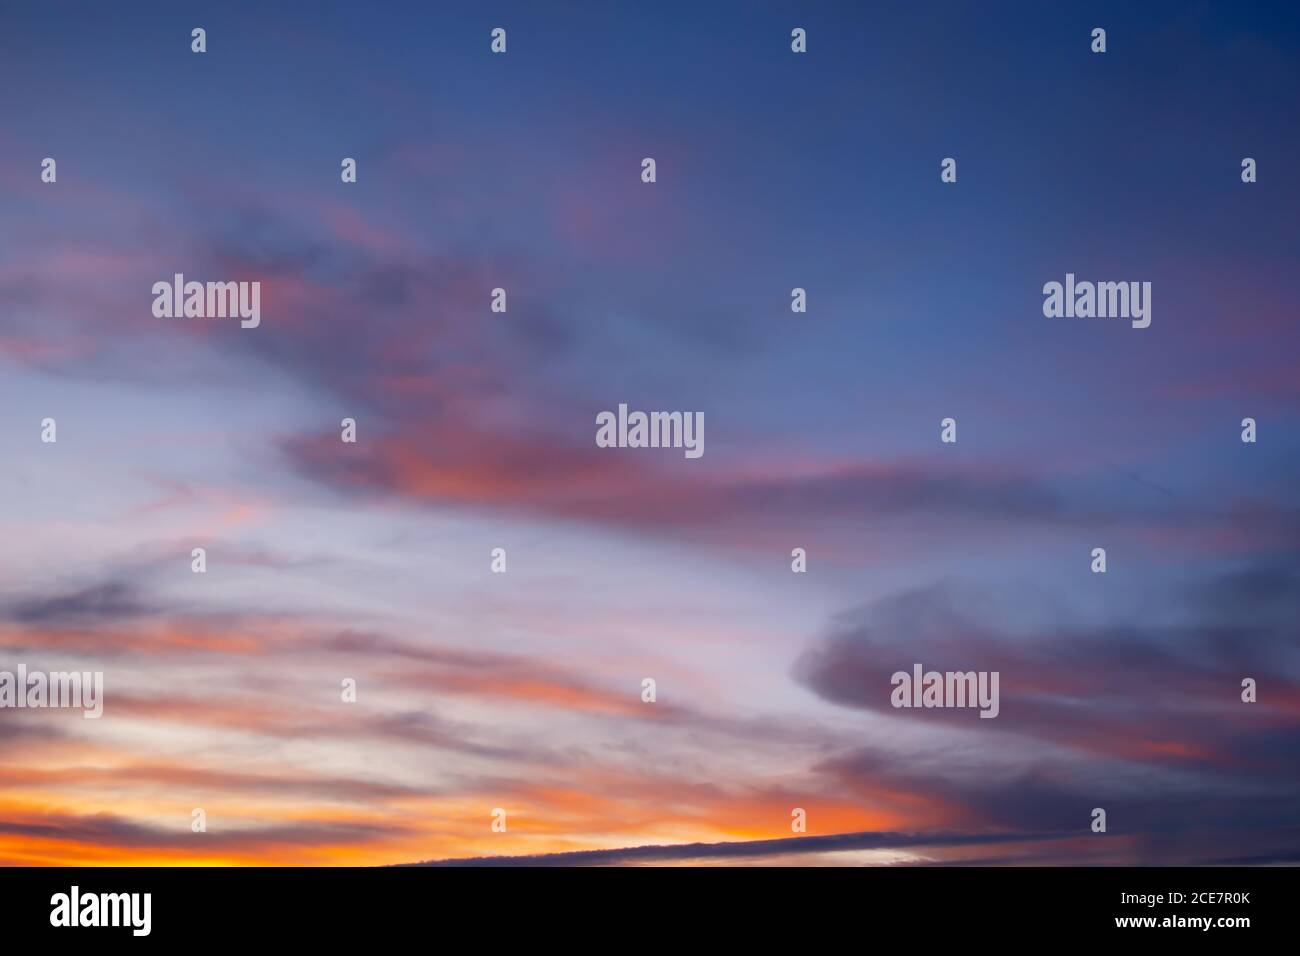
(522, 691)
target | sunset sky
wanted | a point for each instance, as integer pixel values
(522, 691)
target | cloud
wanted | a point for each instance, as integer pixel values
(264, 715)
(112, 830)
(103, 602)
(443, 462)
(833, 843)
(450, 455)
(1176, 682)
(1141, 718)
(191, 778)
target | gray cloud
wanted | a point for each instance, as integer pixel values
(833, 843)
(112, 600)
